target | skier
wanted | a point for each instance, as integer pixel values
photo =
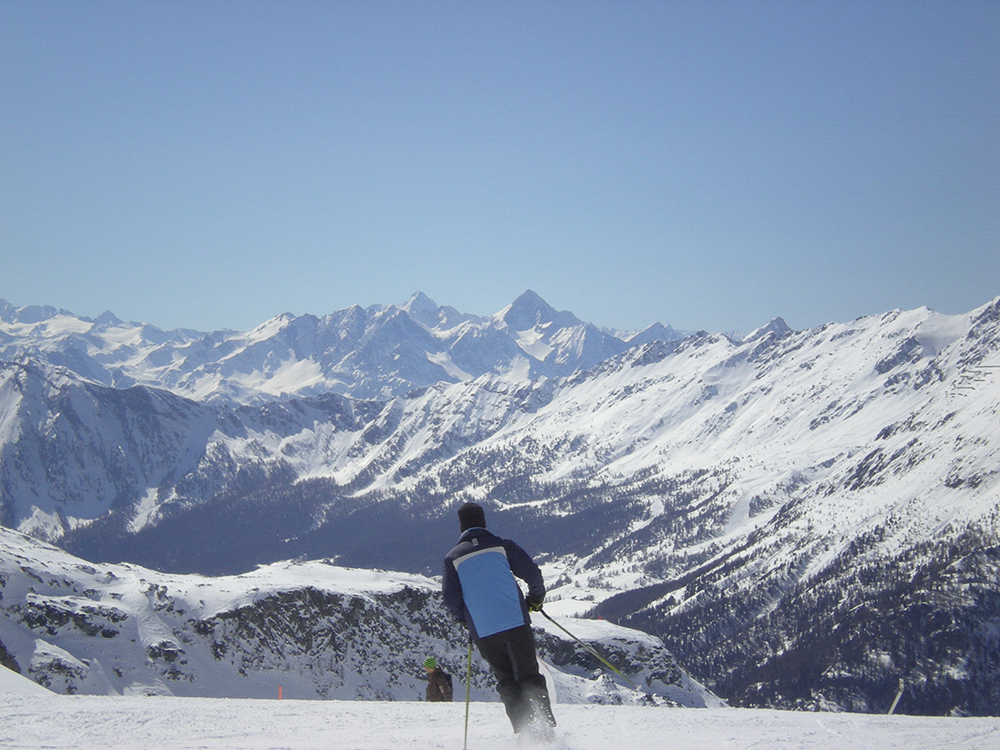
(439, 687)
(480, 590)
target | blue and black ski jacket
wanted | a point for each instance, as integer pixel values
(479, 585)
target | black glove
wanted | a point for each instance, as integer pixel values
(535, 603)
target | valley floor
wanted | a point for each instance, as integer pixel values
(38, 721)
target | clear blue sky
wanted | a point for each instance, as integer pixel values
(710, 165)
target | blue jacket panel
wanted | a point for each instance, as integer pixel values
(479, 585)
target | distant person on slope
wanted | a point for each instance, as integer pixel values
(480, 590)
(439, 689)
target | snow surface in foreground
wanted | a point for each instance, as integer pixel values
(168, 723)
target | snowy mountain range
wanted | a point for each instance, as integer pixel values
(375, 352)
(804, 517)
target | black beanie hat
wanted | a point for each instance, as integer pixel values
(471, 516)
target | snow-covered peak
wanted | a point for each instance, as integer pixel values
(6, 309)
(419, 303)
(270, 328)
(427, 312)
(107, 319)
(530, 311)
(777, 327)
(32, 314)
(655, 332)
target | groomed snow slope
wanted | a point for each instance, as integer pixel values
(96, 723)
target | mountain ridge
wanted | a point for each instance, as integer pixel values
(375, 352)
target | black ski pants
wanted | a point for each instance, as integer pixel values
(511, 654)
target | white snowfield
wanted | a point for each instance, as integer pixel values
(36, 720)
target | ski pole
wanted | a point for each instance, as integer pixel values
(468, 689)
(892, 708)
(591, 650)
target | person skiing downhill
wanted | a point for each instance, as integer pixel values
(481, 591)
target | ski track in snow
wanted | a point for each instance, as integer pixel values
(36, 721)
